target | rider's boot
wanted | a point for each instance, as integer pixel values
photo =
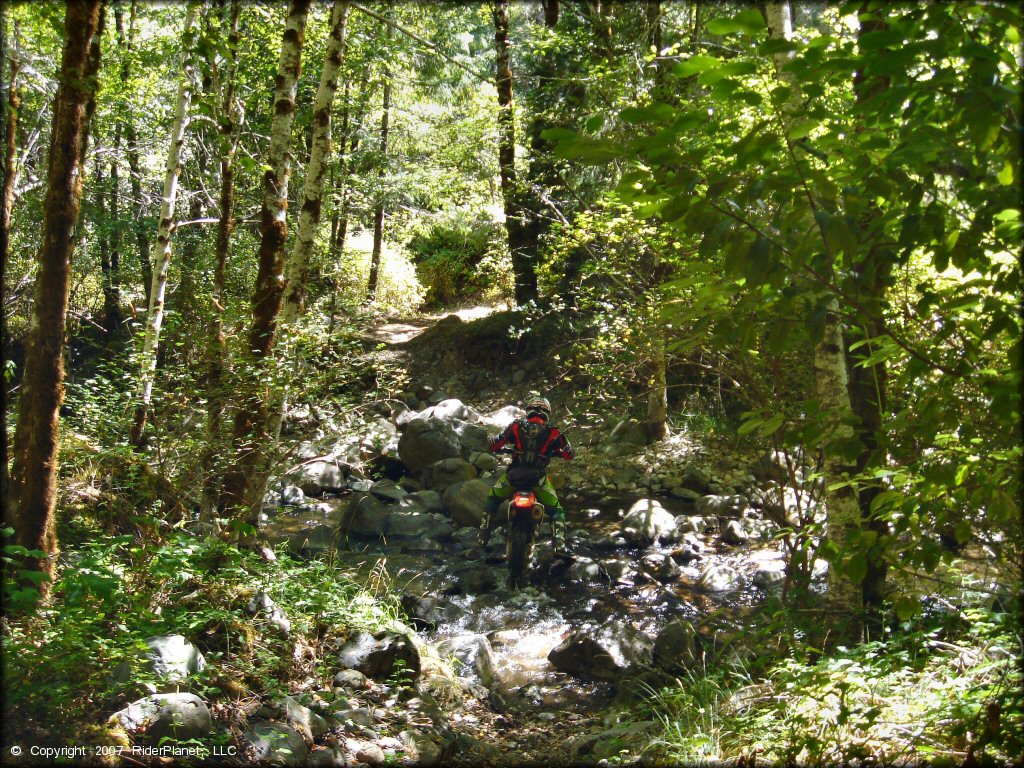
(558, 537)
(490, 517)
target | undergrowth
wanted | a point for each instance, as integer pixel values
(929, 693)
(114, 593)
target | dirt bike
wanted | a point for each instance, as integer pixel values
(525, 514)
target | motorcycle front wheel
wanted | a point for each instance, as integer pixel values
(519, 554)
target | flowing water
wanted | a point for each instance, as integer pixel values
(524, 626)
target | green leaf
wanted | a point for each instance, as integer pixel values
(857, 567)
(695, 65)
(906, 608)
(748, 22)
(1006, 175)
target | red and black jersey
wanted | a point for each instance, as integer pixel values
(535, 442)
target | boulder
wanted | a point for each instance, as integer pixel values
(365, 517)
(173, 658)
(320, 476)
(420, 502)
(472, 437)
(628, 431)
(417, 525)
(441, 474)
(620, 571)
(452, 408)
(421, 750)
(261, 603)
(767, 578)
(733, 533)
(721, 506)
(661, 567)
(648, 522)
(466, 501)
(695, 478)
(678, 647)
(426, 612)
(717, 577)
(303, 719)
(686, 494)
(180, 716)
(350, 678)
(388, 491)
(474, 655)
(603, 653)
(314, 541)
(502, 417)
(382, 655)
(274, 744)
(427, 440)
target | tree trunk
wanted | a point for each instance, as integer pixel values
(110, 301)
(114, 315)
(132, 151)
(155, 315)
(868, 383)
(216, 346)
(9, 123)
(522, 260)
(378, 212)
(33, 491)
(250, 434)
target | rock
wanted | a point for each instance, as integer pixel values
(475, 657)
(304, 720)
(292, 496)
(275, 744)
(453, 409)
(620, 571)
(686, 494)
(333, 757)
(661, 567)
(647, 522)
(678, 647)
(766, 578)
(350, 678)
(420, 749)
(465, 502)
(426, 612)
(354, 718)
(733, 533)
(261, 603)
(721, 506)
(484, 462)
(608, 745)
(472, 437)
(685, 524)
(181, 716)
(603, 653)
(378, 657)
(387, 491)
(695, 478)
(427, 440)
(369, 753)
(690, 548)
(502, 417)
(420, 502)
(441, 474)
(173, 658)
(365, 517)
(584, 569)
(473, 579)
(717, 577)
(628, 431)
(319, 476)
(402, 525)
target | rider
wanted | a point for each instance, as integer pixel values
(534, 442)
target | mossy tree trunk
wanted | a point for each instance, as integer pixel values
(33, 486)
(378, 211)
(250, 435)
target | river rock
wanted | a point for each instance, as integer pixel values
(733, 533)
(420, 502)
(441, 474)
(388, 491)
(484, 462)
(678, 647)
(647, 522)
(695, 478)
(366, 517)
(303, 719)
(421, 750)
(608, 745)
(416, 525)
(767, 578)
(379, 656)
(178, 715)
(274, 744)
(319, 476)
(453, 408)
(173, 658)
(584, 569)
(350, 678)
(686, 494)
(718, 577)
(426, 611)
(427, 440)
(313, 541)
(721, 506)
(473, 579)
(475, 657)
(466, 501)
(661, 567)
(604, 653)
(502, 417)
(620, 571)
(261, 603)
(628, 431)
(292, 496)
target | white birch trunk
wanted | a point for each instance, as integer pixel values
(155, 316)
(313, 187)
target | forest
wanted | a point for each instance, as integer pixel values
(276, 275)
